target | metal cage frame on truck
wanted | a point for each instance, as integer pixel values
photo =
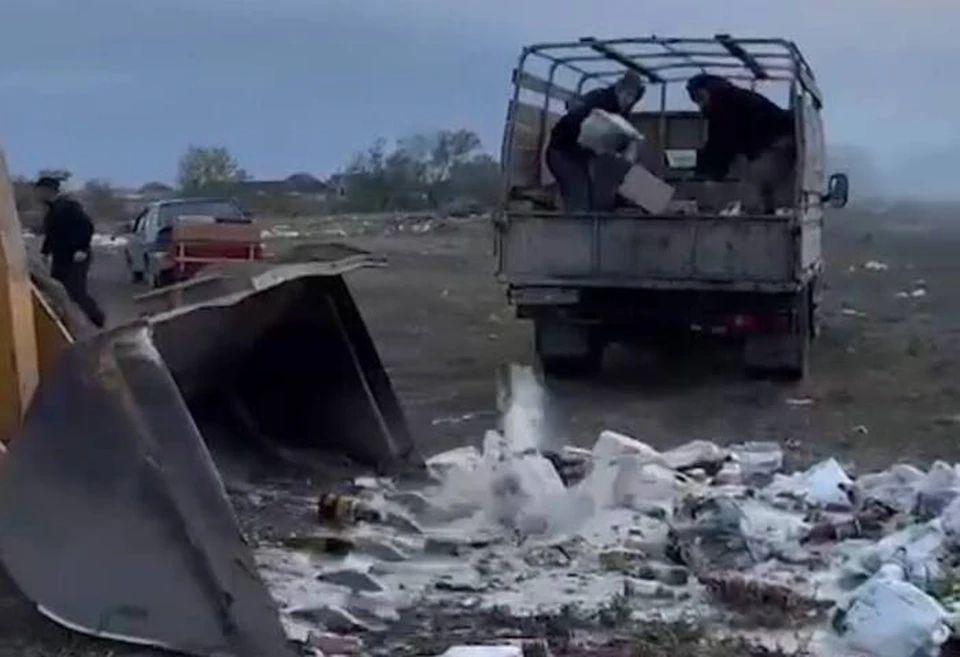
(735, 59)
(665, 61)
(571, 272)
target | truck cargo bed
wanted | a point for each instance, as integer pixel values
(762, 253)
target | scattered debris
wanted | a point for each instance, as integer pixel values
(889, 617)
(345, 509)
(874, 265)
(330, 643)
(102, 241)
(352, 579)
(632, 535)
(279, 232)
(915, 293)
(455, 419)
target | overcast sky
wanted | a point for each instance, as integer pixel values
(118, 88)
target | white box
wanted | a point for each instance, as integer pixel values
(646, 190)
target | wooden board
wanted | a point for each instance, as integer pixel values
(189, 231)
(19, 367)
(529, 146)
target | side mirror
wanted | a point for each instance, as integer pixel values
(838, 190)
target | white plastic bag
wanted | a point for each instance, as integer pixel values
(950, 523)
(888, 617)
(919, 550)
(758, 458)
(611, 445)
(522, 489)
(825, 483)
(606, 133)
(694, 452)
(940, 487)
(896, 487)
(644, 486)
(461, 459)
(483, 651)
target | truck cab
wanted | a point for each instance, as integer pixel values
(693, 263)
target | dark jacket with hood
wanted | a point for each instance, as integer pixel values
(66, 229)
(739, 122)
(566, 132)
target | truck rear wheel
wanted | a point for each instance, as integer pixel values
(568, 350)
(783, 356)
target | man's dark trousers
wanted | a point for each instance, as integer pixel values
(73, 277)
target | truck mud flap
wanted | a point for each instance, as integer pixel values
(114, 516)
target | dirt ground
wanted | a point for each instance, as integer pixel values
(885, 381)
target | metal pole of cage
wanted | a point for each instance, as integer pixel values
(544, 113)
(506, 149)
(662, 127)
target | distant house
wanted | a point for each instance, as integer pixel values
(133, 200)
(300, 185)
(156, 191)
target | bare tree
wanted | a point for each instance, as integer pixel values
(422, 171)
(102, 201)
(63, 175)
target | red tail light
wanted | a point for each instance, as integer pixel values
(747, 323)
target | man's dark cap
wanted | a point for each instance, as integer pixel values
(48, 182)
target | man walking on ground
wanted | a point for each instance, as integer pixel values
(67, 232)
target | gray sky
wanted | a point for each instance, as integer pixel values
(118, 88)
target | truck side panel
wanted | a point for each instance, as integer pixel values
(631, 250)
(813, 184)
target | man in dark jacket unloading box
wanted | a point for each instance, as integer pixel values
(571, 164)
(741, 122)
(67, 234)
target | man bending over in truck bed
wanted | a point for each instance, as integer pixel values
(568, 161)
(741, 122)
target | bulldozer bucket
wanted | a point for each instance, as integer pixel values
(114, 518)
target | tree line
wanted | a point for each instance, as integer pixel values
(445, 170)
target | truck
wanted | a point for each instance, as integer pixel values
(587, 280)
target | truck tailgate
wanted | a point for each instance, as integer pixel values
(610, 250)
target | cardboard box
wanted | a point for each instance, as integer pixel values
(684, 207)
(646, 190)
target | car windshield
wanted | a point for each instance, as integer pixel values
(217, 210)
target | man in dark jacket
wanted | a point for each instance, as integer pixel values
(741, 122)
(67, 232)
(571, 163)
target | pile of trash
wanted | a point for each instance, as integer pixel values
(623, 533)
